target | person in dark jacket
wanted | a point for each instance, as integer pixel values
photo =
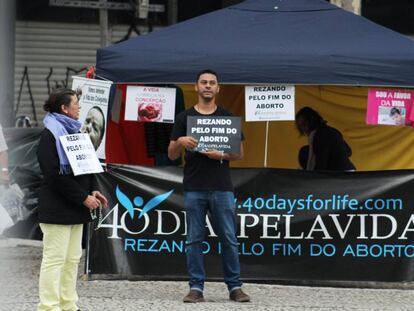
(65, 204)
(327, 148)
(303, 156)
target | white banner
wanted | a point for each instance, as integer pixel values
(94, 110)
(150, 104)
(270, 103)
(81, 154)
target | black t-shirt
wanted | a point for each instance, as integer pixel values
(200, 172)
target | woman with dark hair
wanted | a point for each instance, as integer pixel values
(327, 148)
(65, 204)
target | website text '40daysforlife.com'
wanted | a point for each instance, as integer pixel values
(310, 202)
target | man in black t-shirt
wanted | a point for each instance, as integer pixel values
(207, 187)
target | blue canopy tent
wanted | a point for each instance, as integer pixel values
(307, 43)
(311, 44)
(267, 41)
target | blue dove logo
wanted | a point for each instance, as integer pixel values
(138, 202)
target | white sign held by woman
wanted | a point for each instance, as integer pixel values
(81, 154)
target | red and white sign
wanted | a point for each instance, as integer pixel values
(150, 104)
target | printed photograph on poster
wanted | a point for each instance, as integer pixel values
(93, 100)
(150, 104)
(215, 133)
(270, 102)
(389, 107)
(391, 115)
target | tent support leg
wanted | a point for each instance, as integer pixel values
(86, 275)
(266, 143)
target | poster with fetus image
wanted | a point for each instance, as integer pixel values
(150, 104)
(149, 112)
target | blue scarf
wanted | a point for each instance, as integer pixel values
(61, 125)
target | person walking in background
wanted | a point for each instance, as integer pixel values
(207, 187)
(327, 148)
(65, 202)
(4, 161)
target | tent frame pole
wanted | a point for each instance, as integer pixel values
(266, 143)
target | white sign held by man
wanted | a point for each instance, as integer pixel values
(215, 133)
(94, 110)
(270, 102)
(150, 104)
(81, 154)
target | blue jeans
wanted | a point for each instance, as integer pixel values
(223, 212)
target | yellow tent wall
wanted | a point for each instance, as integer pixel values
(374, 147)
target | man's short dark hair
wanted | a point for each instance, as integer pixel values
(212, 72)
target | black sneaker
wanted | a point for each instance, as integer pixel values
(239, 296)
(194, 296)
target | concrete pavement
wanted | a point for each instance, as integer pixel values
(19, 269)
